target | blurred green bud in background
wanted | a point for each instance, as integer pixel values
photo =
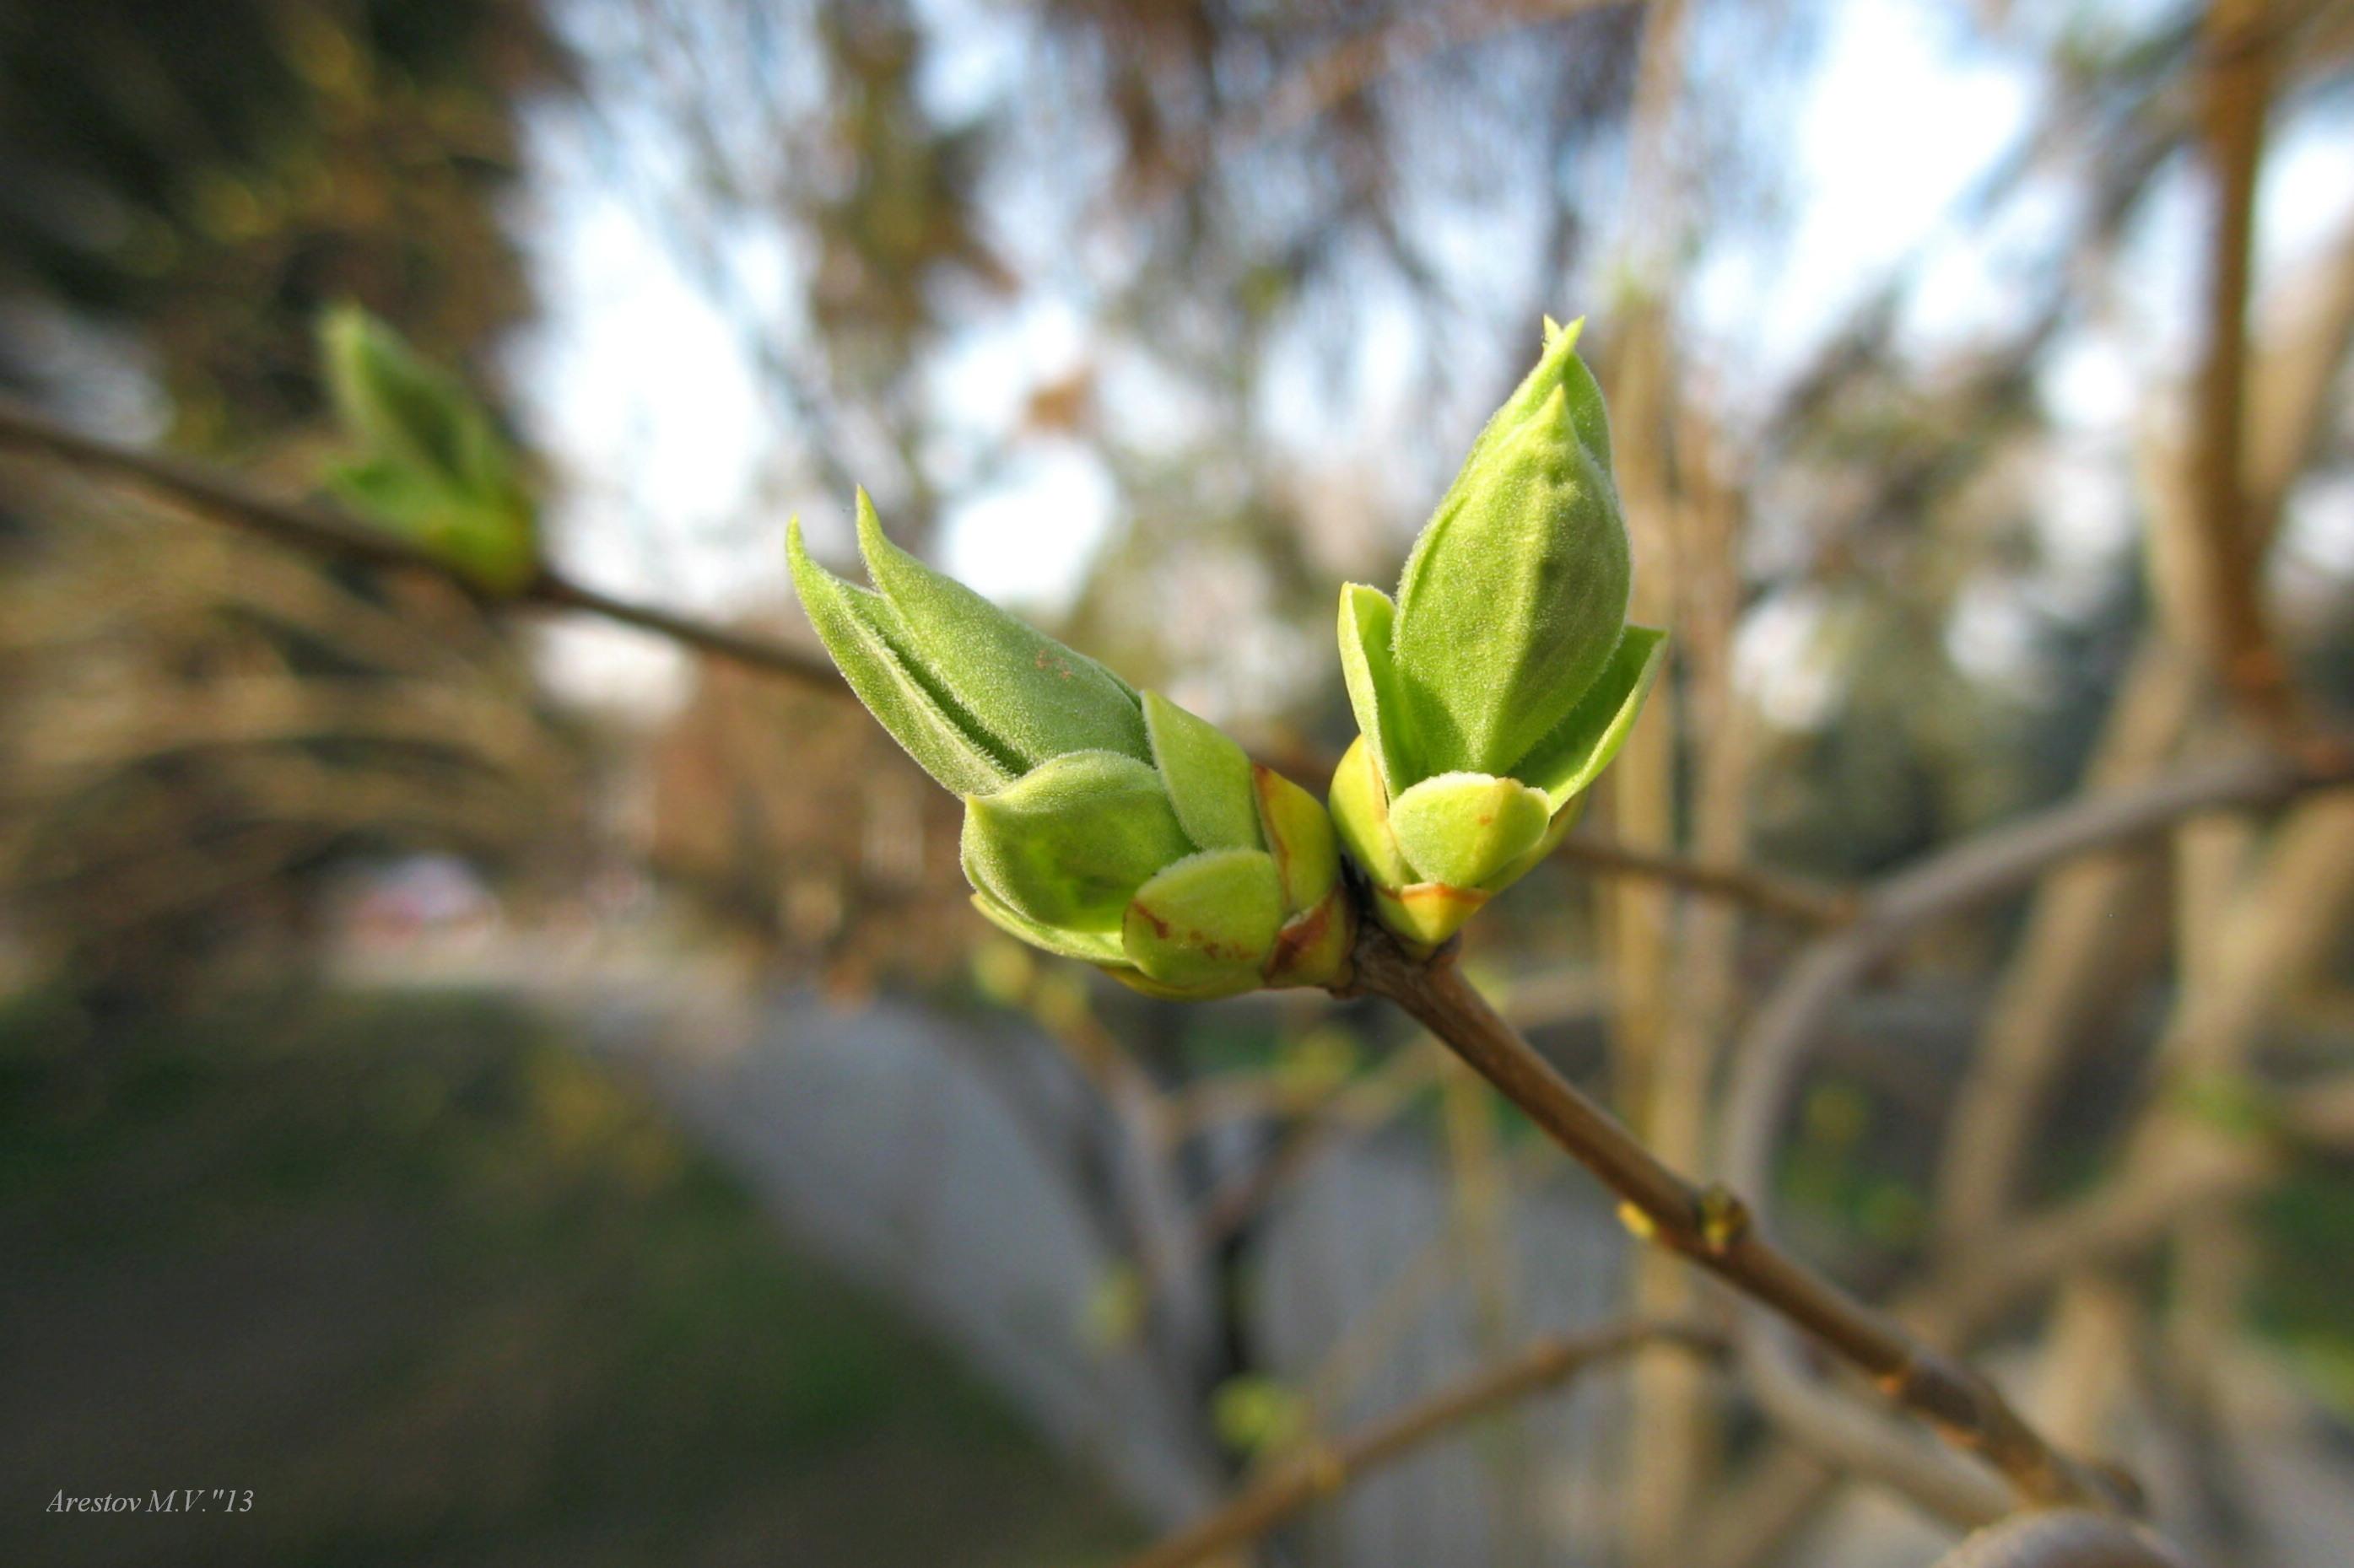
(1504, 677)
(427, 461)
(1100, 822)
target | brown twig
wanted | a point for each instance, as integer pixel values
(1797, 899)
(1710, 1227)
(323, 531)
(1325, 1467)
(1768, 1058)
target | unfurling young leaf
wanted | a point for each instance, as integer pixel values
(1033, 697)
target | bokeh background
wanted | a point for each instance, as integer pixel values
(506, 1090)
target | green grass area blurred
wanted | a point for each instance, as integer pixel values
(437, 1289)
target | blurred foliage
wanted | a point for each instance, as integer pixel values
(791, 813)
(434, 1288)
(2305, 1229)
(426, 460)
(204, 730)
(198, 179)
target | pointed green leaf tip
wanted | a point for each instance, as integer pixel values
(870, 648)
(1040, 698)
(390, 401)
(1516, 591)
(1207, 775)
(431, 463)
(975, 695)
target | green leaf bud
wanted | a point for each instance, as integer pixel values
(1314, 945)
(1590, 735)
(1090, 947)
(1100, 824)
(1463, 828)
(429, 462)
(1208, 775)
(1033, 698)
(1300, 834)
(1368, 620)
(1503, 678)
(872, 650)
(1516, 588)
(1361, 815)
(1422, 911)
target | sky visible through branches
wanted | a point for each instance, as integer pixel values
(649, 392)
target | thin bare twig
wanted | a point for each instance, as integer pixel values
(320, 530)
(1793, 899)
(1325, 1467)
(1710, 1227)
(2067, 1537)
(2238, 86)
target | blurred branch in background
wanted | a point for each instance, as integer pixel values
(204, 727)
(2236, 47)
(1951, 526)
(323, 531)
(1302, 1479)
(318, 530)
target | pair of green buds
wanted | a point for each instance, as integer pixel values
(1111, 825)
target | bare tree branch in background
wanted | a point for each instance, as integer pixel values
(318, 530)
(2238, 42)
(1326, 1468)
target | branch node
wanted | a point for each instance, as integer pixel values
(1724, 1219)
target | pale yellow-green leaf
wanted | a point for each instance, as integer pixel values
(1209, 919)
(1094, 946)
(1299, 835)
(1367, 619)
(1461, 829)
(1361, 816)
